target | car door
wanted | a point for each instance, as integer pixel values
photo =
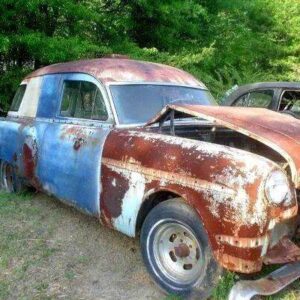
(69, 162)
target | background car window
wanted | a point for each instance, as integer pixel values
(82, 99)
(290, 101)
(256, 99)
(18, 98)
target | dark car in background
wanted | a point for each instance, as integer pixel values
(279, 96)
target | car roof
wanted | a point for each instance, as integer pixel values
(109, 70)
(274, 84)
(240, 90)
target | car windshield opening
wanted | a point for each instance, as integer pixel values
(138, 103)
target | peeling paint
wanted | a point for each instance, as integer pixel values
(131, 203)
(225, 185)
(109, 173)
(109, 70)
(274, 130)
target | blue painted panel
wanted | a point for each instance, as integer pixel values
(66, 171)
(14, 134)
(10, 142)
(72, 175)
(51, 92)
(50, 96)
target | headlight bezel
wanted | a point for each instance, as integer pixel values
(277, 188)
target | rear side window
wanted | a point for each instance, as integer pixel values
(290, 101)
(256, 99)
(82, 99)
(18, 98)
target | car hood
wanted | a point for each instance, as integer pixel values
(279, 131)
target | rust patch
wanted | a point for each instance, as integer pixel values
(269, 285)
(238, 264)
(29, 161)
(119, 70)
(225, 188)
(268, 127)
(182, 250)
(243, 242)
(79, 136)
(112, 195)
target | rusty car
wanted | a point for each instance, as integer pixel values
(144, 148)
(278, 96)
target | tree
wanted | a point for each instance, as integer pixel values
(222, 42)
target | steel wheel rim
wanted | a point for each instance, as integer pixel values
(7, 177)
(178, 253)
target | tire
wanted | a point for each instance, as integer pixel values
(9, 181)
(176, 251)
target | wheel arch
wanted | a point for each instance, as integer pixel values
(150, 200)
(156, 196)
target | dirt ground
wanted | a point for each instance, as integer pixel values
(51, 251)
(64, 254)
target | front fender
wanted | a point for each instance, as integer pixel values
(224, 185)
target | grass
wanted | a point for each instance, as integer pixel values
(224, 286)
(24, 246)
(28, 249)
(292, 292)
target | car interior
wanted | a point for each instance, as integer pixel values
(290, 103)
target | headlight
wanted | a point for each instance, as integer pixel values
(277, 188)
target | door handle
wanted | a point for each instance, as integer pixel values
(78, 143)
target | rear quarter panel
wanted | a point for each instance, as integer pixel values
(10, 144)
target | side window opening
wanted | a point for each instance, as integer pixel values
(256, 99)
(290, 101)
(82, 99)
(16, 102)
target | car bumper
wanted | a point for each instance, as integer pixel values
(247, 255)
(266, 286)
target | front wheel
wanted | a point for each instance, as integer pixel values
(176, 250)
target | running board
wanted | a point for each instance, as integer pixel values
(266, 286)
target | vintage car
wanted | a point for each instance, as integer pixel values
(279, 96)
(144, 148)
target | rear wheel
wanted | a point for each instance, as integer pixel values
(176, 250)
(9, 181)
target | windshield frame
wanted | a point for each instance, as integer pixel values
(120, 83)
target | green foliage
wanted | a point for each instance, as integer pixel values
(222, 42)
(224, 286)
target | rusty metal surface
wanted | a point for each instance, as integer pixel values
(278, 131)
(224, 186)
(111, 173)
(122, 70)
(283, 252)
(269, 285)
